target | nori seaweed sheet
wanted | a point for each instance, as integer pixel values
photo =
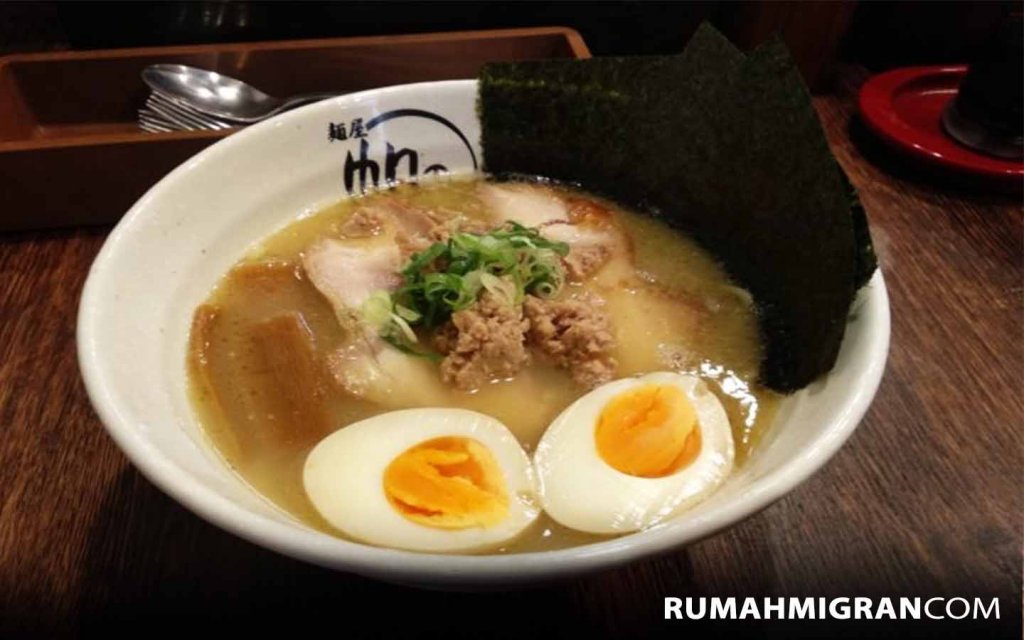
(724, 146)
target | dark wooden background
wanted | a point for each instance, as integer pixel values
(925, 499)
(879, 35)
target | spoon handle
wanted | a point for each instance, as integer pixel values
(302, 99)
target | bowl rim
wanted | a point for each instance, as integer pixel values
(432, 568)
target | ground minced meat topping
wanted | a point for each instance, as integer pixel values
(482, 343)
(491, 341)
(576, 335)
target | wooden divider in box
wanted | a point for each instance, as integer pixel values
(71, 153)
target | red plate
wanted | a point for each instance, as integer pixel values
(904, 107)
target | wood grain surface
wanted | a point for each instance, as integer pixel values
(924, 500)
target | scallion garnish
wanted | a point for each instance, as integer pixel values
(509, 262)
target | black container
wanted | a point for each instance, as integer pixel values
(988, 112)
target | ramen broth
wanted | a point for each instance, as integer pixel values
(265, 398)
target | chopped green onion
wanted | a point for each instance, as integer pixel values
(407, 314)
(404, 348)
(545, 290)
(509, 261)
(404, 328)
(376, 309)
(503, 288)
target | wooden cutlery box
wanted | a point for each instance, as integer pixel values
(71, 153)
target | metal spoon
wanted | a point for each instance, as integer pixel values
(219, 95)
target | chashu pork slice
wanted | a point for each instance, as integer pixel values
(589, 229)
(368, 368)
(346, 273)
(529, 205)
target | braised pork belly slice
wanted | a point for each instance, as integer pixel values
(296, 397)
(285, 398)
(203, 365)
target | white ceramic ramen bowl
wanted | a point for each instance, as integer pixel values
(176, 242)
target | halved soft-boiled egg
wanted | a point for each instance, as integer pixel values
(633, 453)
(425, 480)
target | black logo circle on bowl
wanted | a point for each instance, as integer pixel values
(362, 171)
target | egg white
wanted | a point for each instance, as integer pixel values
(581, 491)
(343, 477)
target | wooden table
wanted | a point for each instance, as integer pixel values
(924, 500)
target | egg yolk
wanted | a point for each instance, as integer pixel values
(447, 483)
(649, 432)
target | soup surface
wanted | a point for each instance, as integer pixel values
(270, 378)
